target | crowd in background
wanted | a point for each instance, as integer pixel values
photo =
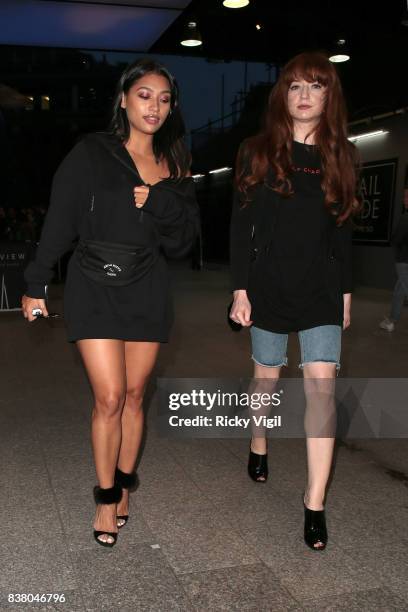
(21, 224)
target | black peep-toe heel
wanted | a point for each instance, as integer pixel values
(258, 466)
(315, 528)
(112, 495)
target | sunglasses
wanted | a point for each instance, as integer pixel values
(37, 313)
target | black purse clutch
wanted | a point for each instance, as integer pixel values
(236, 327)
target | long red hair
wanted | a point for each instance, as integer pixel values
(272, 147)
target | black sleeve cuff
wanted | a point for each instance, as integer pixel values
(239, 284)
(36, 290)
(148, 206)
(157, 201)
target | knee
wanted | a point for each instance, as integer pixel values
(110, 404)
(134, 396)
(318, 372)
(319, 386)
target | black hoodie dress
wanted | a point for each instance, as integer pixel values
(92, 198)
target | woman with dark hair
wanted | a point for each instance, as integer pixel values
(129, 197)
(291, 254)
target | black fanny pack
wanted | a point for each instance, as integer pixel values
(114, 264)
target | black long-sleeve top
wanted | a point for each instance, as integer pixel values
(92, 198)
(288, 253)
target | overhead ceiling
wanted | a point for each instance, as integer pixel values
(375, 79)
(120, 25)
(160, 4)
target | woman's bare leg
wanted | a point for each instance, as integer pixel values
(140, 359)
(319, 449)
(104, 361)
(258, 444)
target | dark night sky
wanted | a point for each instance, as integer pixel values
(201, 82)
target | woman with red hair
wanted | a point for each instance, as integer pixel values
(291, 254)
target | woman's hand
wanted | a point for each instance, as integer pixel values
(141, 194)
(28, 304)
(347, 310)
(241, 308)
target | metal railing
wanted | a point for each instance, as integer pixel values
(226, 121)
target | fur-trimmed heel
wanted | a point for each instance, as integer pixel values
(112, 495)
(125, 481)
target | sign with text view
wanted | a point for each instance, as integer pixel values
(377, 189)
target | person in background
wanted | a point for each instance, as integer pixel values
(400, 243)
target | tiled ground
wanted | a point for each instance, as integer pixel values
(202, 535)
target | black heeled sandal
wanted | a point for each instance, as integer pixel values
(315, 528)
(125, 481)
(112, 495)
(257, 466)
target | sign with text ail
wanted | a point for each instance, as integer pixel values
(377, 189)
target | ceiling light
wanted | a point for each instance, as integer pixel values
(404, 18)
(339, 57)
(225, 169)
(340, 52)
(258, 26)
(235, 3)
(192, 37)
(358, 137)
(198, 176)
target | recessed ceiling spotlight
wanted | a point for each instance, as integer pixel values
(258, 26)
(235, 3)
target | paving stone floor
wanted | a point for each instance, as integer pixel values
(202, 536)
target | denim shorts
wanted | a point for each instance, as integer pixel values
(316, 344)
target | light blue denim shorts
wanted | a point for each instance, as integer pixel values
(316, 344)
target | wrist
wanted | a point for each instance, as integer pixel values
(240, 293)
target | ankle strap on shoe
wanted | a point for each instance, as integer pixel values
(125, 480)
(113, 495)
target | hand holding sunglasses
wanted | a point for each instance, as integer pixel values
(37, 313)
(33, 309)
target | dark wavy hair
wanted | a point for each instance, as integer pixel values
(168, 141)
(272, 147)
